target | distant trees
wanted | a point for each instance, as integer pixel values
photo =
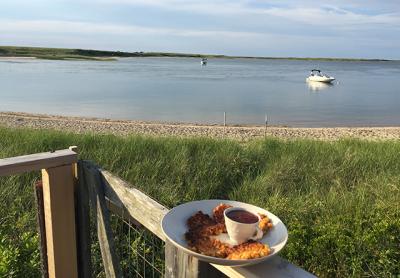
(103, 53)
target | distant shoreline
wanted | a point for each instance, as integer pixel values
(17, 58)
(102, 55)
(241, 133)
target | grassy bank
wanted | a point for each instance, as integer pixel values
(340, 200)
(84, 54)
(90, 54)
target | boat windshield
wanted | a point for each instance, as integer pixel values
(316, 73)
(319, 73)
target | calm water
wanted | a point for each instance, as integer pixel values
(179, 89)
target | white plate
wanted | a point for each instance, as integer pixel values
(174, 227)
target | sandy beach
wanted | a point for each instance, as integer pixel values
(243, 133)
(12, 58)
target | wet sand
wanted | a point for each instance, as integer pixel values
(242, 133)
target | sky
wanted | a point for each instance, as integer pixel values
(277, 28)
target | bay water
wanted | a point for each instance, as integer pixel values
(181, 90)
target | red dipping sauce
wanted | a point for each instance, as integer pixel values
(242, 216)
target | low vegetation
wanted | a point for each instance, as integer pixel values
(340, 200)
(54, 53)
(102, 55)
(84, 54)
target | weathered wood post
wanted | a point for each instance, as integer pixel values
(82, 214)
(109, 256)
(224, 118)
(74, 166)
(266, 124)
(179, 264)
(83, 229)
(41, 227)
(59, 207)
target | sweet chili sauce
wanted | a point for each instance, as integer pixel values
(242, 216)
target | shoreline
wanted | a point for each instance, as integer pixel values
(94, 54)
(17, 58)
(61, 58)
(115, 58)
(241, 133)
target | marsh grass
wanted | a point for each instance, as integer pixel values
(340, 200)
(91, 54)
(85, 54)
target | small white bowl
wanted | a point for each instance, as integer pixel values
(241, 232)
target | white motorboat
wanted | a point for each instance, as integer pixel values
(203, 62)
(318, 76)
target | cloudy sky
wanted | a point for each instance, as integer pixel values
(304, 28)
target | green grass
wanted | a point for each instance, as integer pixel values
(340, 200)
(55, 53)
(84, 54)
(90, 54)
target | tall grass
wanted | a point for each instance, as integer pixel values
(340, 200)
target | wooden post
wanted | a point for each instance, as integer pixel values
(59, 207)
(180, 265)
(224, 118)
(266, 124)
(82, 215)
(74, 165)
(109, 256)
(83, 225)
(41, 227)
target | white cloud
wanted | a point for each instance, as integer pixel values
(195, 6)
(332, 16)
(57, 26)
(309, 12)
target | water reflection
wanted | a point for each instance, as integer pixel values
(318, 86)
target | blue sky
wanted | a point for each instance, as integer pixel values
(303, 28)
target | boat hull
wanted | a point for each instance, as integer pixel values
(323, 79)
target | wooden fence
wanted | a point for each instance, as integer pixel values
(72, 189)
(59, 181)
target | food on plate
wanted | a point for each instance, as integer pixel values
(265, 223)
(218, 212)
(202, 224)
(203, 229)
(200, 220)
(210, 247)
(249, 250)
